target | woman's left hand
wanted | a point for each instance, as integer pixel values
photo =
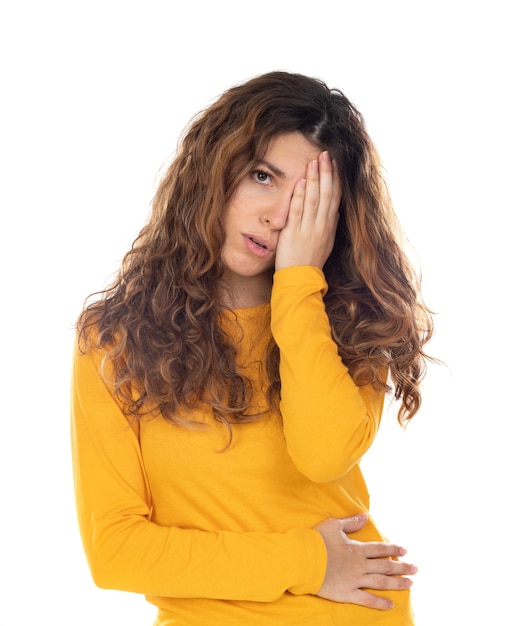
(309, 233)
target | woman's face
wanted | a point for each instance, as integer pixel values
(256, 214)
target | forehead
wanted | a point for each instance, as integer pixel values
(291, 153)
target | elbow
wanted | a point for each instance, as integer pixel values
(336, 456)
(122, 552)
(111, 563)
(102, 581)
(115, 575)
(105, 575)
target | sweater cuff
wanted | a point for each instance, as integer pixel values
(303, 279)
(314, 560)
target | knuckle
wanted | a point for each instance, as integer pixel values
(381, 581)
(372, 601)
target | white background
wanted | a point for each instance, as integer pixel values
(94, 96)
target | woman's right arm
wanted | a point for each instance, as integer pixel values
(127, 551)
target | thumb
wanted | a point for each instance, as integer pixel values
(353, 523)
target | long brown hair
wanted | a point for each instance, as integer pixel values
(158, 321)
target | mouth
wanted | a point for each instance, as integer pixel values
(259, 245)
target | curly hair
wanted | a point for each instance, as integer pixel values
(157, 323)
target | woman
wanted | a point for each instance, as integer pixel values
(227, 384)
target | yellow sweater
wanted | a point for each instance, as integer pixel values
(226, 537)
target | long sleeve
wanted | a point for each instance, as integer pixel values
(128, 551)
(329, 422)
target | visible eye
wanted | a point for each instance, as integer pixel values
(262, 177)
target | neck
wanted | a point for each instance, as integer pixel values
(243, 292)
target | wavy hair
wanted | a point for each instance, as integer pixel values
(158, 321)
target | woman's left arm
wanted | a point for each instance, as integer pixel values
(329, 422)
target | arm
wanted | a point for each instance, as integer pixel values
(127, 551)
(329, 422)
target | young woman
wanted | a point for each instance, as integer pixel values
(227, 384)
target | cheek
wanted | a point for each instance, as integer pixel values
(238, 207)
(233, 216)
(229, 215)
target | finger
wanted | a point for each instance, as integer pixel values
(326, 184)
(389, 567)
(379, 549)
(330, 188)
(370, 600)
(382, 582)
(312, 196)
(295, 211)
(354, 523)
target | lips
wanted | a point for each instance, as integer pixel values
(258, 246)
(261, 242)
(258, 243)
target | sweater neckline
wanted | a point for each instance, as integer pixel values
(249, 312)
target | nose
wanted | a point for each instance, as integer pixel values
(275, 215)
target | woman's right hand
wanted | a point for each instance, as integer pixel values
(353, 567)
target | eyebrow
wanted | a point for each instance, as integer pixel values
(273, 167)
